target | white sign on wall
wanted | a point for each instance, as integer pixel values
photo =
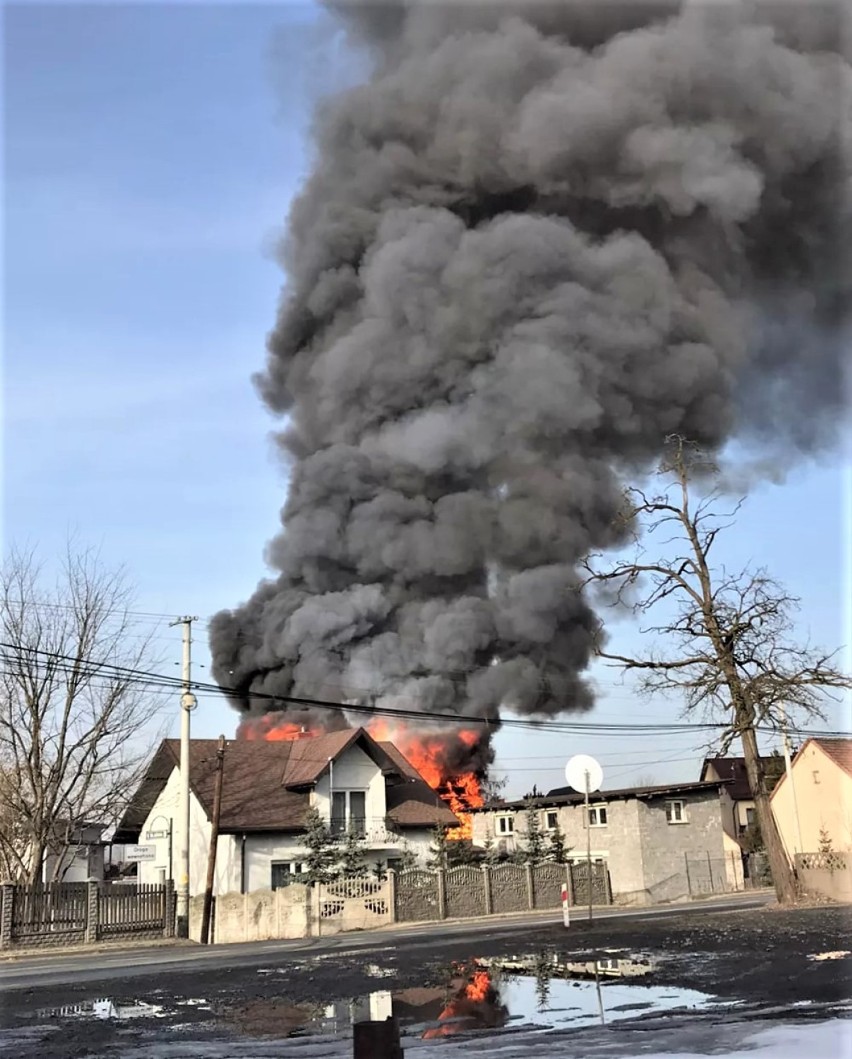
(140, 852)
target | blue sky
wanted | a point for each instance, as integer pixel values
(150, 155)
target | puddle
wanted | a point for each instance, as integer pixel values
(120, 1011)
(541, 991)
(538, 991)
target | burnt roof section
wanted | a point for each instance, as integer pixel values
(266, 785)
(412, 801)
(568, 796)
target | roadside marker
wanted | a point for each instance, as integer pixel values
(566, 907)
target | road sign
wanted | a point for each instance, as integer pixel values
(581, 767)
(141, 852)
(156, 834)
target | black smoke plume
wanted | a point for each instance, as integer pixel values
(540, 239)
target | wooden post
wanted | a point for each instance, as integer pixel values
(376, 1040)
(686, 865)
(214, 841)
(710, 871)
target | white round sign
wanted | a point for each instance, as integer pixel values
(578, 768)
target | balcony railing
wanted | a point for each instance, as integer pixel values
(372, 831)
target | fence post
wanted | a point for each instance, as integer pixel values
(7, 897)
(486, 887)
(688, 880)
(169, 911)
(442, 894)
(392, 893)
(530, 887)
(92, 909)
(569, 882)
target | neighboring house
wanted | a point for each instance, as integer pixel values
(822, 777)
(644, 835)
(76, 855)
(739, 815)
(268, 788)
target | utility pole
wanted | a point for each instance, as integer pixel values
(214, 841)
(187, 705)
(589, 843)
(788, 768)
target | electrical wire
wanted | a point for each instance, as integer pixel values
(87, 667)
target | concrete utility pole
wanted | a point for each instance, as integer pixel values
(187, 705)
(788, 768)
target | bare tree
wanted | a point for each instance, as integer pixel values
(728, 646)
(74, 713)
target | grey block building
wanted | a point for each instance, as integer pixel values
(658, 843)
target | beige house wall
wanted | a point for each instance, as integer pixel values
(824, 796)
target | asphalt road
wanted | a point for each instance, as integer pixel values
(109, 965)
(735, 976)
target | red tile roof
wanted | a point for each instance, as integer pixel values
(266, 785)
(839, 750)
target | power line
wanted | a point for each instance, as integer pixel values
(165, 682)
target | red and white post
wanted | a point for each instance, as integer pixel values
(566, 906)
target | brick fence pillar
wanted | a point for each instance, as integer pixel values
(7, 897)
(486, 887)
(169, 910)
(92, 910)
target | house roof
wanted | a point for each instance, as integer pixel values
(568, 796)
(266, 785)
(733, 770)
(839, 750)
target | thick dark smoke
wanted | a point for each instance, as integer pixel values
(539, 240)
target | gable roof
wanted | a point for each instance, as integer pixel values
(568, 796)
(733, 770)
(839, 750)
(266, 785)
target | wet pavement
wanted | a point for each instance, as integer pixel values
(705, 984)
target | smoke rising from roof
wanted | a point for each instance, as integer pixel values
(541, 238)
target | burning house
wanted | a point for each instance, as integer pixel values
(539, 239)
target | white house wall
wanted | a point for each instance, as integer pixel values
(353, 771)
(166, 812)
(264, 850)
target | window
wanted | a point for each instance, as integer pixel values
(285, 872)
(816, 775)
(551, 820)
(505, 825)
(676, 813)
(349, 812)
(749, 817)
(597, 816)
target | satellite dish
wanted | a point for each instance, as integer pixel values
(577, 769)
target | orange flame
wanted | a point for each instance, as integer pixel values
(463, 1007)
(426, 752)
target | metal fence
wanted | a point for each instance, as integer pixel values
(70, 913)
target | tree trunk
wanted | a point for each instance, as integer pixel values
(782, 872)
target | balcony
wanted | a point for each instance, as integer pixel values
(371, 830)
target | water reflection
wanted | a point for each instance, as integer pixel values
(478, 996)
